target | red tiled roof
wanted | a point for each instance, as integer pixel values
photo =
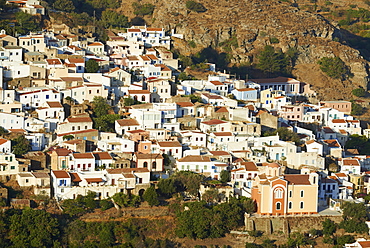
(185, 104)
(149, 156)
(133, 30)
(54, 104)
(62, 151)
(75, 177)
(349, 162)
(250, 166)
(332, 143)
(96, 44)
(3, 141)
(83, 155)
(126, 170)
(102, 155)
(338, 121)
(94, 180)
(79, 119)
(195, 158)
(219, 153)
(169, 144)
(60, 174)
(127, 122)
(153, 29)
(297, 179)
(216, 83)
(223, 134)
(340, 175)
(214, 122)
(221, 110)
(78, 132)
(245, 89)
(134, 92)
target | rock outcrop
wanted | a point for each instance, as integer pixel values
(253, 23)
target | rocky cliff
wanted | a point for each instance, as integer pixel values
(252, 24)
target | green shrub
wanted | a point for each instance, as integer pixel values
(143, 9)
(195, 6)
(333, 67)
(274, 40)
(357, 109)
(359, 92)
(192, 43)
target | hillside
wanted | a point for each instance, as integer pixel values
(252, 24)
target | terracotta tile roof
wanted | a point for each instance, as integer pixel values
(344, 132)
(271, 80)
(332, 143)
(78, 132)
(102, 155)
(75, 48)
(250, 166)
(79, 119)
(96, 44)
(94, 180)
(134, 92)
(75, 177)
(340, 175)
(220, 153)
(54, 61)
(195, 158)
(137, 131)
(17, 130)
(72, 142)
(132, 58)
(364, 244)
(214, 122)
(60, 174)
(163, 67)
(221, 110)
(216, 83)
(127, 122)
(62, 151)
(351, 162)
(338, 121)
(210, 96)
(273, 165)
(128, 175)
(297, 179)
(308, 142)
(223, 134)
(149, 156)
(327, 130)
(3, 141)
(169, 144)
(76, 61)
(83, 155)
(126, 170)
(221, 165)
(54, 104)
(134, 30)
(144, 57)
(152, 57)
(246, 89)
(40, 174)
(185, 104)
(154, 29)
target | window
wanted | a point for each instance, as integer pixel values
(278, 206)
(302, 193)
(205, 167)
(12, 167)
(290, 193)
(290, 205)
(278, 193)
(145, 164)
(154, 165)
(301, 205)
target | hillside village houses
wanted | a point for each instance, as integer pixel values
(166, 125)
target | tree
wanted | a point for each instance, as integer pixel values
(68, 137)
(329, 227)
(285, 134)
(143, 9)
(272, 62)
(225, 176)
(128, 101)
(100, 106)
(166, 187)
(195, 6)
(26, 22)
(211, 195)
(20, 145)
(33, 228)
(114, 20)
(124, 200)
(359, 92)
(334, 67)
(3, 131)
(345, 239)
(357, 109)
(150, 195)
(64, 5)
(359, 142)
(105, 123)
(354, 217)
(92, 66)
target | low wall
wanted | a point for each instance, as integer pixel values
(287, 225)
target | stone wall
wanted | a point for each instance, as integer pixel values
(287, 225)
